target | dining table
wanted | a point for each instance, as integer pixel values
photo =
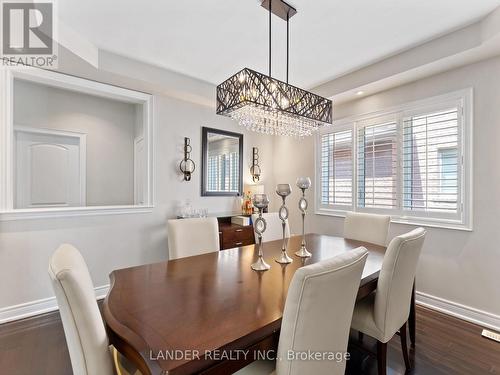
(211, 313)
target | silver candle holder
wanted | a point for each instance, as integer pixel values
(260, 201)
(283, 190)
(303, 183)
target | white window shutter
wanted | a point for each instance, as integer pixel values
(336, 168)
(432, 158)
(377, 166)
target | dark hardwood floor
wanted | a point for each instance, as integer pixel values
(445, 345)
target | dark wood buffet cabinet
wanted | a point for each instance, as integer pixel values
(233, 235)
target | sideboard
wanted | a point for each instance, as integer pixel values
(233, 235)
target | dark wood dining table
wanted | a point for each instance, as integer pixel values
(191, 315)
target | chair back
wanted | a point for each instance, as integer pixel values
(274, 227)
(189, 237)
(83, 326)
(367, 227)
(318, 313)
(395, 282)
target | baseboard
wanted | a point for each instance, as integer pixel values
(41, 306)
(467, 313)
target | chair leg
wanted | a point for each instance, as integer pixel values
(404, 347)
(361, 335)
(412, 318)
(382, 358)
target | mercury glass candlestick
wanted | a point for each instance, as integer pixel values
(283, 190)
(303, 183)
(260, 201)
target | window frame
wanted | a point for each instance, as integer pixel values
(80, 85)
(463, 219)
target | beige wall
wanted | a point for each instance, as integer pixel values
(458, 266)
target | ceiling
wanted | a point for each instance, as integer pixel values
(212, 39)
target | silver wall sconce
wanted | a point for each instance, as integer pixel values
(255, 168)
(187, 165)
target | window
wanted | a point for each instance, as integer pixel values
(412, 162)
(336, 168)
(430, 169)
(377, 165)
(448, 171)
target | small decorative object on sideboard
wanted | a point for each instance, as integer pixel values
(246, 206)
(260, 201)
(303, 183)
(284, 190)
(241, 220)
(187, 165)
(255, 169)
(187, 211)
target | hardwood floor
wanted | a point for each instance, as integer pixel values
(445, 345)
(34, 346)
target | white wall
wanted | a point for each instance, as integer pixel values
(116, 241)
(460, 267)
(109, 126)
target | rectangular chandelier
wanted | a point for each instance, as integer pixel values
(267, 105)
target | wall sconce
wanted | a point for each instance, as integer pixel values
(255, 169)
(187, 165)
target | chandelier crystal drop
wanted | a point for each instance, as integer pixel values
(267, 105)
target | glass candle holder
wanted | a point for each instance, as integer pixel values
(303, 183)
(260, 201)
(283, 190)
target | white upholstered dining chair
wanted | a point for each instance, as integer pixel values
(274, 228)
(386, 311)
(188, 237)
(86, 336)
(317, 316)
(367, 227)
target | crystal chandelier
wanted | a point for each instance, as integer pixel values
(267, 105)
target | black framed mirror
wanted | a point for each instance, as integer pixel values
(221, 163)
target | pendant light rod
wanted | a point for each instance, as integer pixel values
(287, 43)
(285, 11)
(270, 33)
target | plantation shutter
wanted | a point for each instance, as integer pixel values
(336, 168)
(431, 162)
(377, 164)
